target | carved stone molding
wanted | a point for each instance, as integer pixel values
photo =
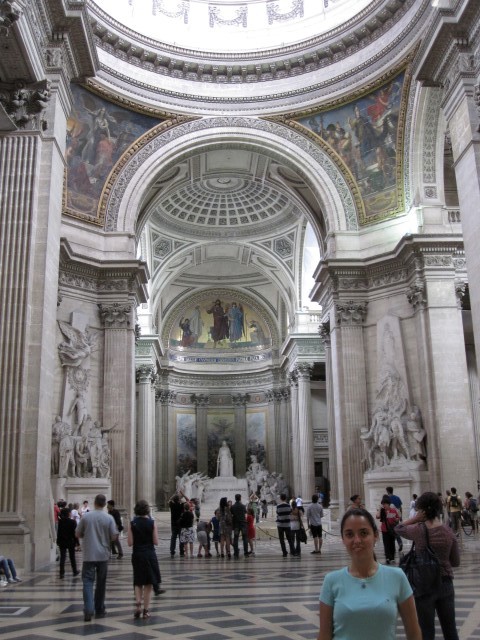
(417, 296)
(350, 313)
(116, 315)
(145, 373)
(165, 397)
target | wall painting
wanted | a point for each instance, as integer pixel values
(186, 442)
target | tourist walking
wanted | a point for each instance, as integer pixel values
(225, 525)
(176, 509)
(66, 540)
(314, 523)
(97, 530)
(239, 522)
(389, 518)
(116, 546)
(283, 524)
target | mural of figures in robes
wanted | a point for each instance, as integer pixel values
(219, 323)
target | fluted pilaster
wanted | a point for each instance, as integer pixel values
(118, 401)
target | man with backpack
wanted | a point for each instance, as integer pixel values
(454, 508)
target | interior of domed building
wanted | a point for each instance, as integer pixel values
(248, 221)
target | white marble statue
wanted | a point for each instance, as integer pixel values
(224, 461)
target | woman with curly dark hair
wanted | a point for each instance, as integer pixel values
(444, 543)
(143, 536)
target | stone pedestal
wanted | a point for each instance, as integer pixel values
(410, 478)
(223, 487)
(80, 489)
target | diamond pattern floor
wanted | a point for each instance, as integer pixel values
(265, 597)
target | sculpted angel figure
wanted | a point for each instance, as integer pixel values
(77, 347)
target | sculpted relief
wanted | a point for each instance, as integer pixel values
(80, 447)
(396, 434)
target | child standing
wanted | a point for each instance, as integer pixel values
(215, 522)
(251, 530)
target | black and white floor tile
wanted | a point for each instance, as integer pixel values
(266, 597)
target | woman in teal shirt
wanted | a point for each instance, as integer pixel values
(362, 601)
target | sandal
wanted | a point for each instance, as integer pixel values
(146, 614)
(138, 610)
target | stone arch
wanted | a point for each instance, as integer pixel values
(122, 200)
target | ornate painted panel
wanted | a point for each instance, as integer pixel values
(98, 134)
(186, 442)
(366, 136)
(256, 435)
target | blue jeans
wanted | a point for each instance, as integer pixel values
(442, 600)
(8, 568)
(173, 540)
(90, 571)
(236, 533)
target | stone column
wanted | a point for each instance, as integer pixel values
(239, 408)
(271, 429)
(164, 487)
(295, 478)
(145, 468)
(350, 394)
(119, 398)
(324, 331)
(305, 432)
(282, 436)
(171, 433)
(201, 402)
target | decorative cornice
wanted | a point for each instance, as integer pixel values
(338, 44)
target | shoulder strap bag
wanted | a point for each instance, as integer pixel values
(422, 568)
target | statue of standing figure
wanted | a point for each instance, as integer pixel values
(224, 461)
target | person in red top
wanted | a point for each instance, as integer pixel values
(389, 518)
(251, 530)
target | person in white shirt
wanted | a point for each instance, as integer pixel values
(314, 522)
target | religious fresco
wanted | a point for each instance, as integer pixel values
(256, 435)
(220, 427)
(186, 443)
(367, 134)
(219, 323)
(98, 133)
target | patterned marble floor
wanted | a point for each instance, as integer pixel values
(265, 597)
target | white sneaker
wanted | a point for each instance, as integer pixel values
(11, 581)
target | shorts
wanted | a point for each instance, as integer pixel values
(316, 530)
(202, 537)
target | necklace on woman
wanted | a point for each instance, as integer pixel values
(371, 571)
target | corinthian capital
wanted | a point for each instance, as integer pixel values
(324, 332)
(350, 313)
(25, 104)
(200, 400)
(145, 373)
(304, 370)
(115, 316)
(8, 15)
(240, 399)
(417, 296)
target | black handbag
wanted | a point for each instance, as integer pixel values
(303, 535)
(422, 569)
